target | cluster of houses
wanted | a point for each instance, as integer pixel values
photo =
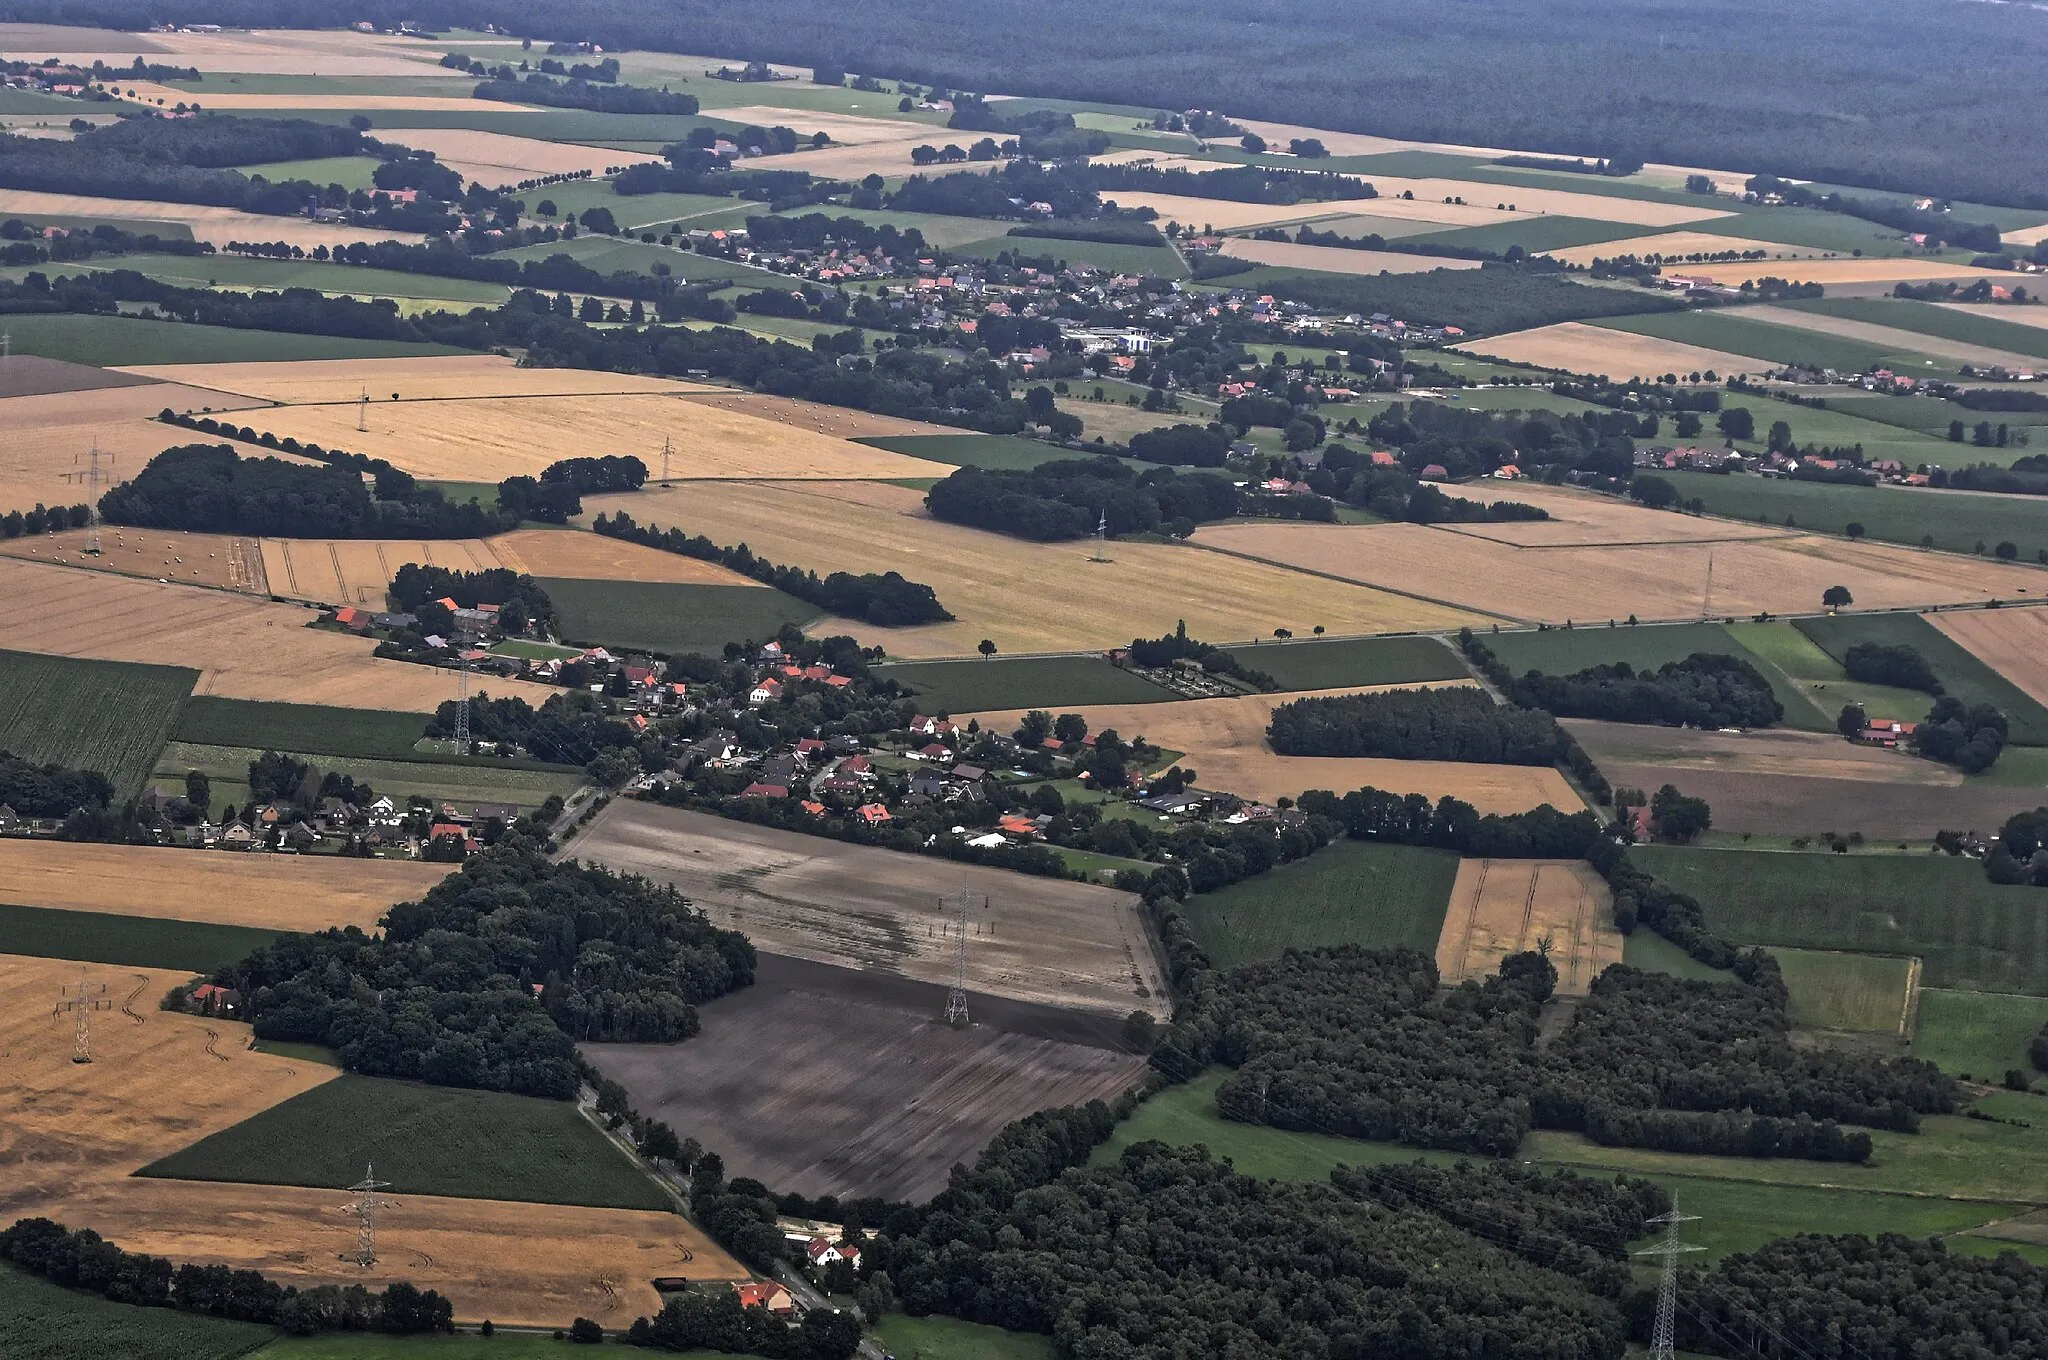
(1687, 458)
(380, 826)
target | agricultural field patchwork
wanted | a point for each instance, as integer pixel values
(91, 715)
(1576, 347)
(1961, 674)
(2013, 642)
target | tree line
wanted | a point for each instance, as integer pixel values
(1449, 723)
(1069, 499)
(1706, 689)
(520, 599)
(50, 789)
(598, 97)
(887, 599)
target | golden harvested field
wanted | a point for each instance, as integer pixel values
(1023, 596)
(2027, 236)
(2013, 642)
(839, 421)
(1676, 245)
(1588, 519)
(491, 438)
(1576, 347)
(1655, 581)
(1360, 143)
(1506, 906)
(1843, 271)
(309, 52)
(2000, 311)
(269, 892)
(1226, 215)
(848, 129)
(358, 571)
(1893, 338)
(495, 158)
(888, 159)
(1224, 742)
(244, 648)
(46, 440)
(1337, 259)
(217, 225)
(218, 560)
(72, 1135)
(218, 100)
(310, 382)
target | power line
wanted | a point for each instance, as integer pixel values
(956, 1000)
(365, 1207)
(1663, 1340)
(82, 999)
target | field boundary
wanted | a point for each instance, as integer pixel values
(1417, 596)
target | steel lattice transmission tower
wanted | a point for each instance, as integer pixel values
(363, 409)
(365, 1210)
(82, 998)
(667, 451)
(1663, 1338)
(462, 648)
(956, 1000)
(95, 477)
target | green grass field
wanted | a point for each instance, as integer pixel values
(1931, 417)
(234, 271)
(109, 716)
(350, 172)
(1810, 227)
(1158, 261)
(1049, 682)
(1905, 314)
(43, 1321)
(306, 729)
(1860, 992)
(971, 450)
(126, 941)
(1961, 674)
(944, 1338)
(426, 1140)
(660, 616)
(1535, 234)
(1973, 935)
(1646, 949)
(1333, 663)
(1351, 892)
(1983, 1034)
(524, 785)
(1819, 679)
(1564, 651)
(1956, 521)
(1770, 342)
(111, 341)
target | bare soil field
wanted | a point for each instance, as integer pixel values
(46, 439)
(1023, 596)
(2013, 642)
(32, 375)
(269, 892)
(1505, 906)
(1574, 347)
(71, 1136)
(1654, 582)
(311, 382)
(1337, 259)
(1049, 941)
(1676, 245)
(218, 560)
(923, 1096)
(498, 158)
(1586, 519)
(1765, 753)
(839, 421)
(1893, 338)
(1842, 271)
(1224, 742)
(217, 225)
(491, 438)
(244, 648)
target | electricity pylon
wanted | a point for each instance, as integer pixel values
(1663, 1338)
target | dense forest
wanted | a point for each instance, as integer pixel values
(1705, 690)
(1899, 665)
(49, 790)
(885, 599)
(1452, 723)
(444, 993)
(584, 94)
(1068, 499)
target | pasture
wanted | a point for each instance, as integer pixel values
(1979, 1034)
(525, 784)
(1944, 332)
(1157, 261)
(305, 729)
(1566, 651)
(1863, 993)
(1049, 941)
(261, 892)
(1501, 907)
(1071, 602)
(243, 273)
(944, 1338)
(1291, 255)
(1005, 451)
(1653, 581)
(140, 941)
(1349, 892)
(1973, 935)
(1961, 674)
(425, 1140)
(108, 716)
(1333, 663)
(1224, 742)
(1022, 682)
(1818, 678)
(671, 618)
(923, 1097)
(243, 648)
(2013, 642)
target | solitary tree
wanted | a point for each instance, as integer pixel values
(988, 647)
(1837, 597)
(1852, 720)
(1855, 530)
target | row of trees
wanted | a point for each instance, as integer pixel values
(598, 97)
(39, 519)
(887, 600)
(1458, 723)
(49, 789)
(1069, 499)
